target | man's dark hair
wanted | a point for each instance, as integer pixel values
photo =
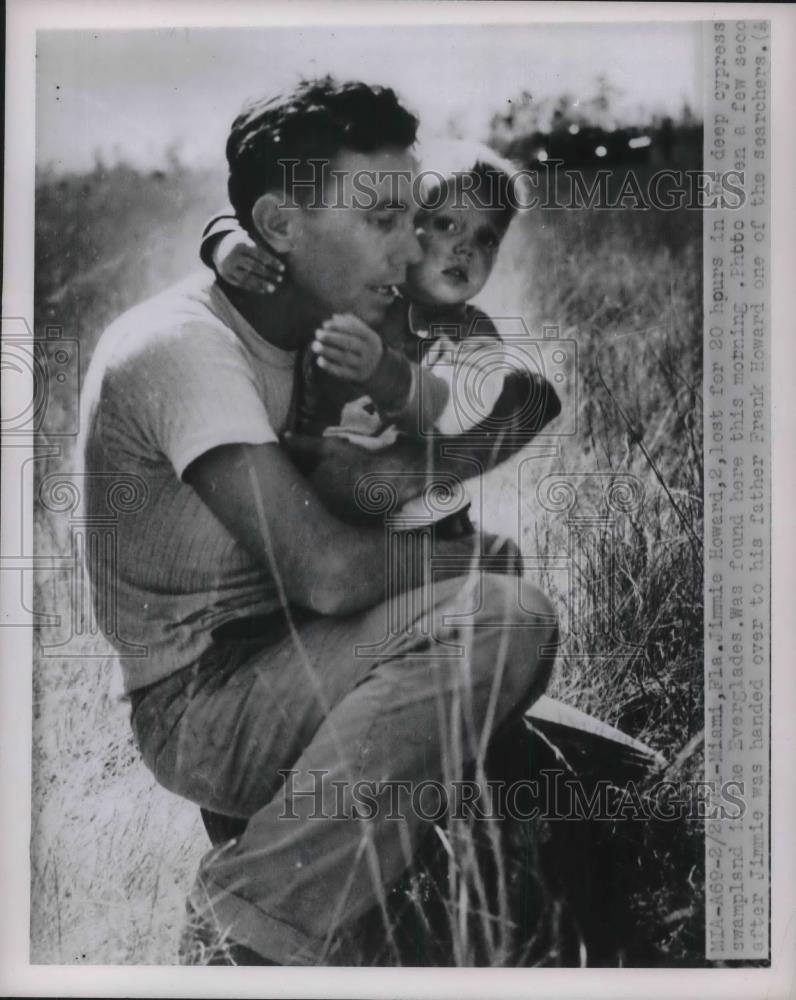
(316, 121)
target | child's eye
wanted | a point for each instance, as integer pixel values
(445, 224)
(488, 239)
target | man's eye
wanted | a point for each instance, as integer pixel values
(386, 221)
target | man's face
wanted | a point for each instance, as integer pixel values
(460, 242)
(349, 255)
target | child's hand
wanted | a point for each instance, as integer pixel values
(246, 265)
(348, 348)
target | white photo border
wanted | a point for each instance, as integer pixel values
(16, 975)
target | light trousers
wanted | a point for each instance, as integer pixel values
(356, 713)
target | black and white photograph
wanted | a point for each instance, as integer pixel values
(395, 492)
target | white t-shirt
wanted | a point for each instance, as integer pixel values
(172, 378)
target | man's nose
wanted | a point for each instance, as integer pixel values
(410, 251)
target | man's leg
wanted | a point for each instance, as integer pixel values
(417, 706)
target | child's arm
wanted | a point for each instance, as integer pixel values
(454, 389)
(350, 350)
(237, 259)
(212, 234)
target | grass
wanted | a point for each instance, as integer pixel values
(113, 855)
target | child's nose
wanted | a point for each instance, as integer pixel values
(464, 249)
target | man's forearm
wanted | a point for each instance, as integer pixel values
(361, 485)
(364, 569)
(317, 561)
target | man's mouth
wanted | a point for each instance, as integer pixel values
(457, 274)
(386, 292)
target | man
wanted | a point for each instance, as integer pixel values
(277, 640)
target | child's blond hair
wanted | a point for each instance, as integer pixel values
(445, 164)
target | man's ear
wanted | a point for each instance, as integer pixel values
(276, 221)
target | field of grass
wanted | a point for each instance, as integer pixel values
(113, 855)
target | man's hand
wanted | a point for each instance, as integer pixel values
(244, 264)
(307, 451)
(336, 468)
(340, 470)
(348, 348)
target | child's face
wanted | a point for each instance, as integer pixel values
(460, 242)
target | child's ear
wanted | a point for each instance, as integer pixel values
(275, 221)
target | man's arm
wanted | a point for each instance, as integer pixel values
(318, 561)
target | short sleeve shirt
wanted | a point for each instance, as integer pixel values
(170, 380)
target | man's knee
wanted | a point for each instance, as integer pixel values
(514, 602)
(529, 632)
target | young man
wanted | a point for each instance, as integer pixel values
(275, 637)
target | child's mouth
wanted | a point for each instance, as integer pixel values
(456, 274)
